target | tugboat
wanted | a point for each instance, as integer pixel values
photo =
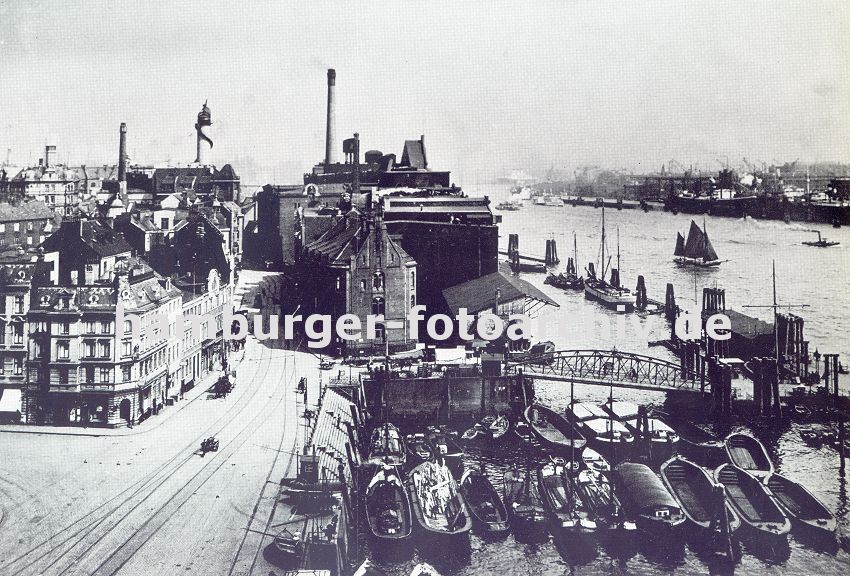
(821, 242)
(509, 206)
(608, 293)
(697, 250)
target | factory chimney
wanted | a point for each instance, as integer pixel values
(330, 134)
(122, 153)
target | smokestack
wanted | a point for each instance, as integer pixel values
(49, 156)
(330, 134)
(122, 153)
(355, 188)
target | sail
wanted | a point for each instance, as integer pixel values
(695, 246)
(680, 245)
(709, 254)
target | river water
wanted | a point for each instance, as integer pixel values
(816, 277)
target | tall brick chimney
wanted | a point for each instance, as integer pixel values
(122, 153)
(330, 134)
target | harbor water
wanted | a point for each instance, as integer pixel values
(814, 277)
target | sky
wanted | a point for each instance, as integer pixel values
(492, 85)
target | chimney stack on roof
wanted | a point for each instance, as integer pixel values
(49, 156)
(330, 133)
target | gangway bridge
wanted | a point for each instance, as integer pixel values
(609, 368)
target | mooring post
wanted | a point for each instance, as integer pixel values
(774, 380)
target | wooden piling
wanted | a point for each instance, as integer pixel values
(640, 299)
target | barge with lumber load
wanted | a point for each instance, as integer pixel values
(437, 503)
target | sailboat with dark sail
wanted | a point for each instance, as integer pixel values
(697, 249)
(608, 293)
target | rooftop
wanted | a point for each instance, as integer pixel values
(480, 294)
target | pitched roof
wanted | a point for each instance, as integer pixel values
(98, 237)
(32, 210)
(480, 294)
(414, 154)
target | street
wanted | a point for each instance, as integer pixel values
(147, 502)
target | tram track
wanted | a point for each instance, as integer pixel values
(109, 513)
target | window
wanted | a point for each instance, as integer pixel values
(413, 280)
(412, 300)
(379, 332)
(106, 327)
(19, 366)
(29, 226)
(104, 375)
(163, 223)
(125, 373)
(127, 348)
(88, 349)
(90, 327)
(17, 227)
(63, 375)
(64, 328)
(89, 374)
(63, 349)
(103, 349)
(2, 365)
(2, 227)
(378, 281)
(377, 305)
(19, 304)
(18, 333)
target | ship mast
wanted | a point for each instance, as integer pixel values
(602, 262)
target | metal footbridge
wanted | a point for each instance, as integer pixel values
(608, 368)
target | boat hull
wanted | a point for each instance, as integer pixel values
(554, 431)
(685, 261)
(760, 514)
(615, 302)
(807, 513)
(477, 490)
(748, 453)
(461, 523)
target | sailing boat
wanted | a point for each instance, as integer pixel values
(697, 249)
(610, 294)
(570, 280)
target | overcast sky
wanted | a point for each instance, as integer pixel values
(492, 85)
